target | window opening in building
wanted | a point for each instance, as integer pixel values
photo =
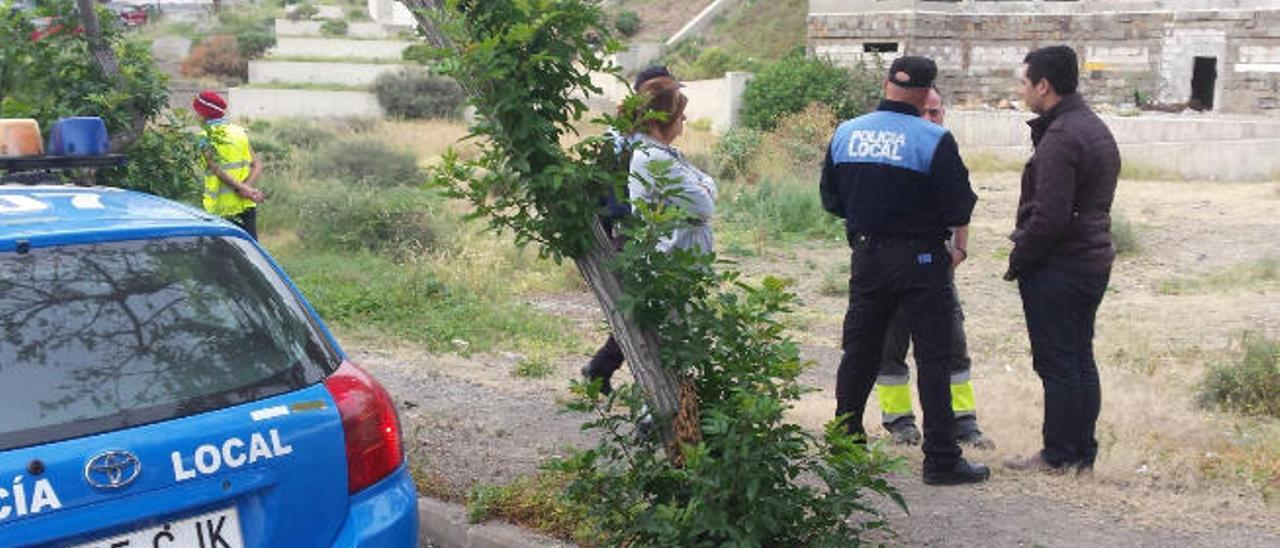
(880, 47)
(1203, 77)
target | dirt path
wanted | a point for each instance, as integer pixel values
(1156, 483)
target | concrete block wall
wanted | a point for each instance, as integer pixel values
(344, 74)
(291, 103)
(338, 49)
(1199, 148)
(979, 46)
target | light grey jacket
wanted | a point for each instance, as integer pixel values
(697, 193)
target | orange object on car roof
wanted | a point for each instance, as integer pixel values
(20, 137)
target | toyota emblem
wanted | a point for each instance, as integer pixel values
(112, 469)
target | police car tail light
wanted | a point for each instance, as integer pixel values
(369, 423)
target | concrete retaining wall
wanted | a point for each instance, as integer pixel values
(288, 103)
(363, 29)
(1202, 148)
(332, 48)
(289, 72)
(717, 100)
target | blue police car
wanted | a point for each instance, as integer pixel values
(163, 383)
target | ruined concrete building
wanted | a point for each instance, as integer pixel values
(1221, 55)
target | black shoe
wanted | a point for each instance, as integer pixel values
(606, 387)
(963, 472)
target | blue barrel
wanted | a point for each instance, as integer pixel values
(79, 136)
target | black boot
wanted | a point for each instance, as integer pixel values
(961, 473)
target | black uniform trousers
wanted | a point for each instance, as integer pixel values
(1060, 307)
(915, 274)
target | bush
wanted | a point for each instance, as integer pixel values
(416, 93)
(422, 54)
(164, 162)
(1251, 386)
(627, 23)
(1124, 234)
(334, 27)
(789, 85)
(395, 221)
(364, 161)
(735, 151)
(300, 133)
(254, 42)
(218, 56)
(304, 11)
(786, 209)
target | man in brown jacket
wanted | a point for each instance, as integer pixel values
(1062, 254)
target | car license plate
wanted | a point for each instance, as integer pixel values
(217, 529)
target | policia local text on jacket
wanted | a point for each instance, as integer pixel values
(899, 183)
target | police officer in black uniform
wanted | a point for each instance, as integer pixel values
(899, 183)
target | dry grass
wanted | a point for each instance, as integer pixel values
(427, 139)
(1164, 460)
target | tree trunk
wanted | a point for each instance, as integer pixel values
(660, 385)
(672, 401)
(110, 67)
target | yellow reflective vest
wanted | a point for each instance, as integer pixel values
(230, 145)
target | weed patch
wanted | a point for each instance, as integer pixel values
(786, 210)
(1124, 235)
(535, 502)
(1253, 275)
(365, 291)
(533, 368)
(1250, 386)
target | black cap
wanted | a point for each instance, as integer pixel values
(913, 72)
(651, 72)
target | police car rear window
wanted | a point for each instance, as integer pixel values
(98, 337)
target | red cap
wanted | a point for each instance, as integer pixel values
(209, 105)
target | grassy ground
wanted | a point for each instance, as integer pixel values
(1202, 272)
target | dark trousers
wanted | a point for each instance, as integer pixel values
(606, 360)
(1060, 308)
(895, 371)
(916, 276)
(247, 221)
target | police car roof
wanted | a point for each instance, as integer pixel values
(65, 214)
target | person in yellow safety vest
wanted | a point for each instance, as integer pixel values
(893, 385)
(231, 167)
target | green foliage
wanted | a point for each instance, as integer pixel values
(346, 217)
(1258, 275)
(627, 22)
(535, 502)
(300, 133)
(254, 34)
(691, 60)
(334, 27)
(1250, 386)
(1124, 235)
(416, 93)
(363, 161)
(782, 210)
(56, 77)
(526, 64)
(410, 301)
(791, 84)
(304, 11)
(422, 54)
(533, 368)
(164, 161)
(735, 150)
(753, 479)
